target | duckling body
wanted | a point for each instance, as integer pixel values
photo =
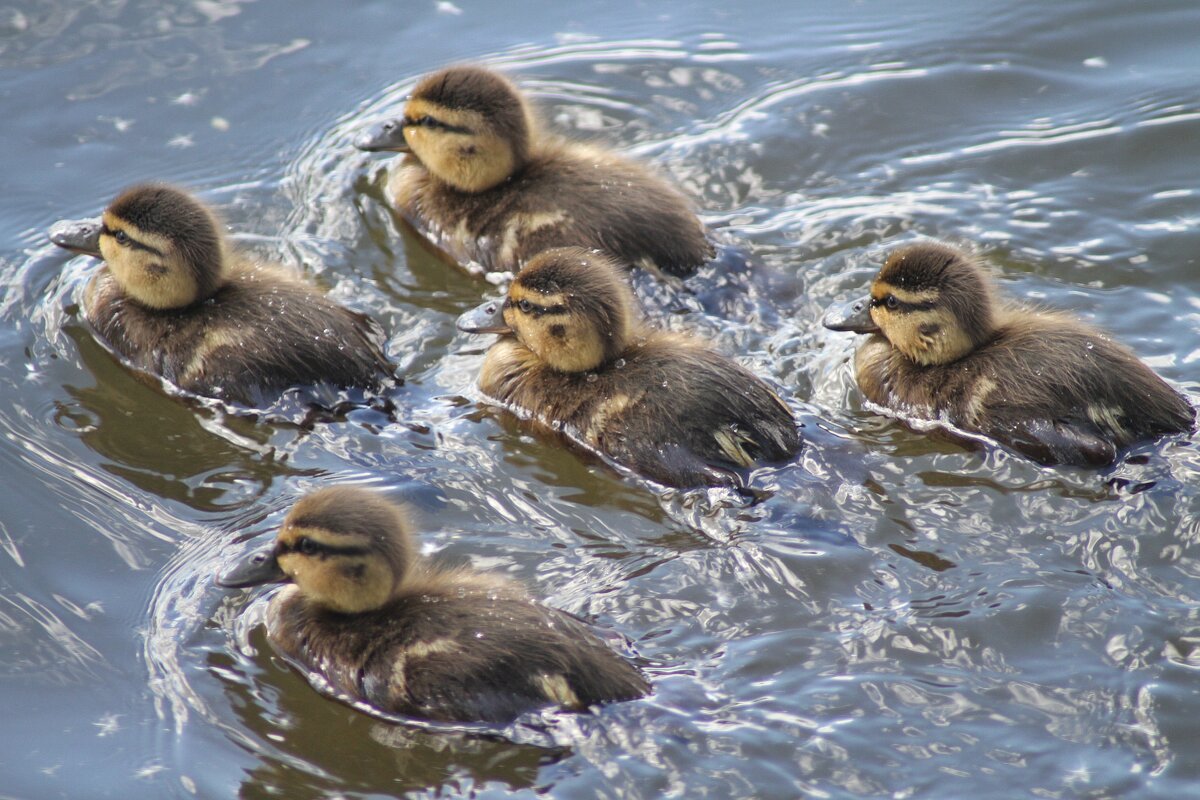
(574, 357)
(385, 627)
(174, 302)
(490, 189)
(941, 347)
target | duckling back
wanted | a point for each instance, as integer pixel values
(456, 647)
(568, 194)
(262, 332)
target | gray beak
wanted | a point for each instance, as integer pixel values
(487, 318)
(259, 567)
(78, 236)
(853, 316)
(385, 137)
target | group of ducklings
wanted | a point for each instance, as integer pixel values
(495, 192)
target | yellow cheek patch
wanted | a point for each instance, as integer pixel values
(567, 345)
(468, 156)
(154, 281)
(927, 337)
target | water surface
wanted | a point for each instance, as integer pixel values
(901, 616)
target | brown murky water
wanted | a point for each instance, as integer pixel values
(901, 616)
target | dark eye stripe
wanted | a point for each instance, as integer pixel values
(319, 548)
(901, 305)
(433, 122)
(528, 307)
(129, 240)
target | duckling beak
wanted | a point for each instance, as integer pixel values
(487, 318)
(854, 316)
(258, 568)
(384, 137)
(78, 236)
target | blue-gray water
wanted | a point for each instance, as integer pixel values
(900, 617)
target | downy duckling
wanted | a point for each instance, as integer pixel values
(574, 355)
(385, 627)
(942, 347)
(491, 189)
(173, 301)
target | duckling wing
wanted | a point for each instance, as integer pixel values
(570, 196)
(1087, 397)
(266, 336)
(704, 419)
(477, 658)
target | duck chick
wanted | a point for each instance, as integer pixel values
(491, 189)
(385, 627)
(574, 355)
(943, 347)
(173, 301)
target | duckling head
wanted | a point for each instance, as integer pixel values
(933, 302)
(346, 549)
(569, 306)
(469, 126)
(163, 247)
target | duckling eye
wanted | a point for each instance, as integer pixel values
(306, 546)
(891, 302)
(122, 237)
(525, 306)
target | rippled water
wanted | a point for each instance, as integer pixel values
(901, 615)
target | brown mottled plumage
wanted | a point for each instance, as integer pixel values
(575, 356)
(174, 302)
(381, 625)
(491, 189)
(943, 348)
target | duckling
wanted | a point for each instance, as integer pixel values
(173, 301)
(384, 626)
(944, 347)
(492, 189)
(574, 355)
